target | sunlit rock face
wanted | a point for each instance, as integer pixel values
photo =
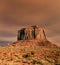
(30, 33)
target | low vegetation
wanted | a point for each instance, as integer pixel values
(25, 55)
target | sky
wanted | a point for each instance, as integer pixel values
(15, 14)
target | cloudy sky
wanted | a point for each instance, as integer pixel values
(15, 14)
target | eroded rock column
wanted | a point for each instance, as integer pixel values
(28, 34)
(40, 34)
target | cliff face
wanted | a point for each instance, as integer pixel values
(33, 32)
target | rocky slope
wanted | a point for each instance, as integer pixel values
(34, 50)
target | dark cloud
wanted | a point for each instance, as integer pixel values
(7, 34)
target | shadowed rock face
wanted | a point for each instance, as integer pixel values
(21, 34)
(33, 32)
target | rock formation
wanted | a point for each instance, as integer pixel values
(28, 33)
(32, 49)
(33, 32)
(40, 34)
(21, 34)
(36, 35)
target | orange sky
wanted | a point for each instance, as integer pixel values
(15, 14)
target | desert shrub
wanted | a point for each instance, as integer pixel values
(32, 52)
(26, 55)
(36, 62)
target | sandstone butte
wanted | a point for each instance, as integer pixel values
(31, 48)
